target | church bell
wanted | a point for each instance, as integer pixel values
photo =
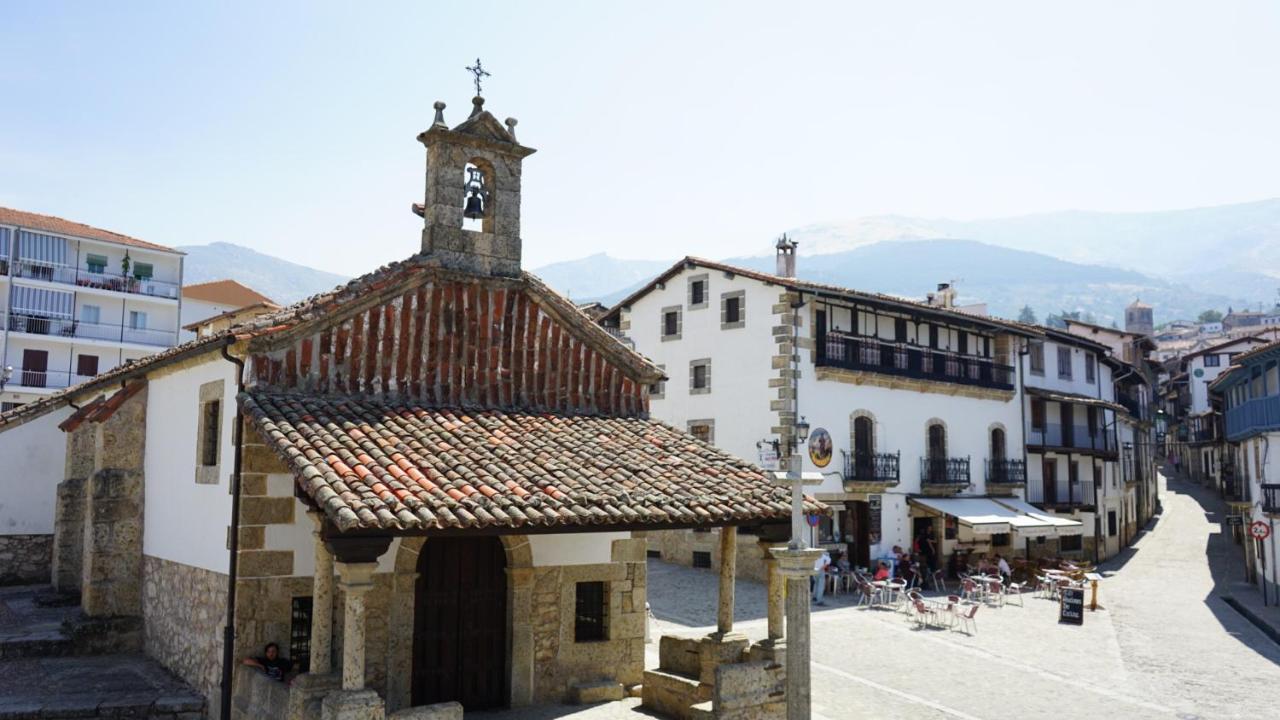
(477, 196)
(474, 209)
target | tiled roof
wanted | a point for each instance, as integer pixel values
(409, 467)
(955, 314)
(49, 223)
(225, 292)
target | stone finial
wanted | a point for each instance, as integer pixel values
(477, 106)
(511, 127)
(439, 106)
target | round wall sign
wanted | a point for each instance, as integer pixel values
(820, 447)
(1260, 530)
(812, 520)
(1198, 372)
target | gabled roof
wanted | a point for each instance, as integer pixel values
(49, 223)
(399, 467)
(1225, 344)
(225, 292)
(250, 310)
(954, 315)
(1070, 338)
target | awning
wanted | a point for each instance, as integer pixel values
(1074, 398)
(981, 516)
(1060, 526)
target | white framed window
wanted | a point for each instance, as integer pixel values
(137, 320)
(90, 314)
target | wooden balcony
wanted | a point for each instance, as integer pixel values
(851, 352)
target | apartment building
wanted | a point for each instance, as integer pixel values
(78, 301)
(913, 407)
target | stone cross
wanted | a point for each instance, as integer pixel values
(479, 72)
(795, 562)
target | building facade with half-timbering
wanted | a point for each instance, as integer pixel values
(426, 485)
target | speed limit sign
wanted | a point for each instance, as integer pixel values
(1259, 530)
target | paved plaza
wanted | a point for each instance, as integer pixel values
(1165, 645)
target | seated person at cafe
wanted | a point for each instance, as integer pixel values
(882, 571)
(1003, 566)
(271, 664)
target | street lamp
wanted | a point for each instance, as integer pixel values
(802, 430)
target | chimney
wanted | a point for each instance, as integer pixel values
(944, 298)
(786, 257)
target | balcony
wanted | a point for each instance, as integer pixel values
(1252, 416)
(1132, 405)
(67, 328)
(944, 474)
(1072, 437)
(44, 379)
(1006, 472)
(862, 470)
(1062, 495)
(68, 275)
(1271, 498)
(850, 352)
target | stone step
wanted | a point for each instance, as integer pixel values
(176, 707)
(672, 694)
(34, 644)
(702, 711)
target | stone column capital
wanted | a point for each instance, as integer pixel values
(356, 577)
(796, 563)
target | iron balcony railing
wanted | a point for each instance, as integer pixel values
(1131, 404)
(1271, 498)
(1007, 471)
(80, 277)
(872, 467)
(1071, 437)
(944, 471)
(1061, 494)
(53, 379)
(853, 352)
(1256, 415)
(65, 327)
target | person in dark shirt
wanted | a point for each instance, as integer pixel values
(271, 664)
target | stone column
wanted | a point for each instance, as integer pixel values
(357, 580)
(776, 596)
(796, 565)
(728, 571)
(321, 604)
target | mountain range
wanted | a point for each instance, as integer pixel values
(1180, 261)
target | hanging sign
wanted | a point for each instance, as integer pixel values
(768, 456)
(1071, 608)
(820, 447)
(1259, 530)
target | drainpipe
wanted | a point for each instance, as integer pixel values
(229, 632)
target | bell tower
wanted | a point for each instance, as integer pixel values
(472, 204)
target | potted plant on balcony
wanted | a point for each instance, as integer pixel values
(130, 284)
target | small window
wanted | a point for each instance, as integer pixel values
(732, 307)
(86, 365)
(1111, 523)
(1212, 361)
(590, 612)
(90, 314)
(732, 310)
(702, 559)
(96, 264)
(1090, 369)
(653, 554)
(704, 430)
(1037, 358)
(700, 377)
(1071, 543)
(900, 330)
(209, 433)
(1064, 363)
(137, 320)
(142, 271)
(698, 292)
(1000, 539)
(300, 634)
(671, 323)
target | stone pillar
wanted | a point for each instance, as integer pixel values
(520, 582)
(357, 581)
(796, 565)
(321, 604)
(776, 596)
(728, 571)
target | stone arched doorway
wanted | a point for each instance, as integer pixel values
(460, 642)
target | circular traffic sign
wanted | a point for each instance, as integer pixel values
(1260, 530)
(812, 520)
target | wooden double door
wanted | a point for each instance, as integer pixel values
(460, 623)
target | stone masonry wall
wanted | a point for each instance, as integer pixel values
(68, 535)
(677, 547)
(183, 609)
(25, 558)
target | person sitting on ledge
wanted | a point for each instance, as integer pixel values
(271, 664)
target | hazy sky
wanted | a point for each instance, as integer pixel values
(662, 128)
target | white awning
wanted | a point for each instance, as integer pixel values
(980, 515)
(1059, 526)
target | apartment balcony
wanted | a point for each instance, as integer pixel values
(76, 329)
(1132, 405)
(1253, 416)
(1065, 496)
(850, 352)
(68, 275)
(864, 472)
(1006, 472)
(1271, 498)
(1071, 438)
(44, 379)
(943, 476)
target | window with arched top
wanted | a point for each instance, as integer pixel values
(478, 196)
(937, 442)
(863, 447)
(997, 444)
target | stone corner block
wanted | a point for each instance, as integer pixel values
(266, 510)
(438, 711)
(629, 550)
(353, 705)
(587, 693)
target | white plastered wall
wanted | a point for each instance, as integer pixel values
(34, 456)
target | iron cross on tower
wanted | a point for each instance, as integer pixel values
(479, 72)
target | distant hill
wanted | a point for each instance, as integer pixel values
(283, 281)
(598, 276)
(1004, 278)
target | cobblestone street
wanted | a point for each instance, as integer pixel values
(1164, 646)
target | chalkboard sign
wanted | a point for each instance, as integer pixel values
(1071, 610)
(873, 519)
(1235, 520)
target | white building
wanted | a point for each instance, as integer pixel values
(914, 406)
(224, 299)
(78, 301)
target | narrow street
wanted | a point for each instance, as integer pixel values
(1164, 646)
